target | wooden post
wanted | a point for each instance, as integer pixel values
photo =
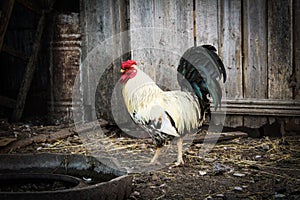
(7, 10)
(29, 72)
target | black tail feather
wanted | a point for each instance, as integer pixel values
(213, 52)
(203, 68)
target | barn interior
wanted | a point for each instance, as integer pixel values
(59, 94)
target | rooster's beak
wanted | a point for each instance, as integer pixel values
(122, 71)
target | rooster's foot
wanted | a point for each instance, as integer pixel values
(156, 162)
(179, 163)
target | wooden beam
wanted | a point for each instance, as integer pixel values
(14, 52)
(5, 17)
(268, 107)
(17, 144)
(29, 71)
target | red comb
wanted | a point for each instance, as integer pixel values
(128, 64)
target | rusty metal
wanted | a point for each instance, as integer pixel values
(65, 61)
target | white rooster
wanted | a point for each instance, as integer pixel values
(171, 114)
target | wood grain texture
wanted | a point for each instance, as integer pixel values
(255, 53)
(98, 29)
(207, 29)
(230, 43)
(106, 45)
(279, 49)
(253, 38)
(141, 31)
(266, 107)
(297, 49)
(255, 49)
(173, 34)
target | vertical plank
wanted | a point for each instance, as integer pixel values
(279, 49)
(121, 52)
(296, 32)
(255, 49)
(207, 22)
(98, 29)
(255, 54)
(173, 34)
(230, 42)
(124, 28)
(104, 44)
(83, 17)
(5, 17)
(141, 31)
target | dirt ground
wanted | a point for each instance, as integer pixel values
(240, 168)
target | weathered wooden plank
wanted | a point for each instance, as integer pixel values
(98, 29)
(5, 17)
(230, 42)
(255, 49)
(124, 28)
(255, 54)
(261, 108)
(84, 86)
(207, 30)
(121, 52)
(4, 141)
(296, 32)
(173, 34)
(106, 44)
(279, 49)
(98, 22)
(141, 31)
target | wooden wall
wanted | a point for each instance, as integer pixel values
(104, 48)
(258, 41)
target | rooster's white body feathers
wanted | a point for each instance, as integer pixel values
(146, 103)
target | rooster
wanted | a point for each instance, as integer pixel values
(166, 115)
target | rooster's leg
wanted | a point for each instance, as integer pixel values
(179, 158)
(154, 159)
